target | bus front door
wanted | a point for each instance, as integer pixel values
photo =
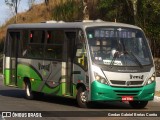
(11, 68)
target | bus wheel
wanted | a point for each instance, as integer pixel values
(28, 92)
(138, 104)
(82, 98)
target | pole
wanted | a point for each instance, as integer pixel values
(16, 10)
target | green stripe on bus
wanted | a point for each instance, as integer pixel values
(6, 77)
(29, 72)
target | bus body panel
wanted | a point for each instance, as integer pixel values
(44, 76)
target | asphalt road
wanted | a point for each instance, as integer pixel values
(12, 99)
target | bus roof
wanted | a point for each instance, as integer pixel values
(69, 25)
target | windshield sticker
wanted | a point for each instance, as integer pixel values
(96, 34)
(133, 35)
(98, 58)
(107, 34)
(116, 62)
(102, 33)
(112, 34)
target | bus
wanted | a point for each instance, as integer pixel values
(90, 61)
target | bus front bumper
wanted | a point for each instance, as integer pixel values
(103, 92)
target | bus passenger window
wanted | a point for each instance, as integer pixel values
(35, 51)
(55, 37)
(37, 36)
(35, 47)
(53, 52)
(23, 44)
(54, 46)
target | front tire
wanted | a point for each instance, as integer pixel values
(82, 98)
(138, 104)
(28, 91)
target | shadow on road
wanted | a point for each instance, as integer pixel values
(16, 93)
(12, 93)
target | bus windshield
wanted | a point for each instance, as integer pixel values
(118, 46)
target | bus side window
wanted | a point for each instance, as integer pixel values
(36, 44)
(54, 46)
(23, 44)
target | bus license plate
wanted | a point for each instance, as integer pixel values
(127, 98)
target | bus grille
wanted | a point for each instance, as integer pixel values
(128, 92)
(116, 82)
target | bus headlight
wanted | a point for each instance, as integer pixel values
(100, 79)
(151, 79)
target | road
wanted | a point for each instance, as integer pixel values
(12, 99)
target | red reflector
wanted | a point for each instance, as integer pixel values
(127, 98)
(48, 36)
(31, 35)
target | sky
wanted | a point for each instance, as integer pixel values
(5, 11)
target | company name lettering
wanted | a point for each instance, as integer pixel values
(44, 67)
(136, 77)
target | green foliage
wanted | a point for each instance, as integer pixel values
(149, 21)
(116, 9)
(68, 11)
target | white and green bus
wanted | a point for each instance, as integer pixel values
(89, 61)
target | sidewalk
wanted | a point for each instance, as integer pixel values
(157, 93)
(157, 97)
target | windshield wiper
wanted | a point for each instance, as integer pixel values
(114, 58)
(130, 54)
(134, 58)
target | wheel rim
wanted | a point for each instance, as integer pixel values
(83, 97)
(28, 91)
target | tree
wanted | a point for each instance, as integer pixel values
(115, 10)
(67, 10)
(47, 2)
(13, 5)
(148, 18)
(134, 3)
(85, 10)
